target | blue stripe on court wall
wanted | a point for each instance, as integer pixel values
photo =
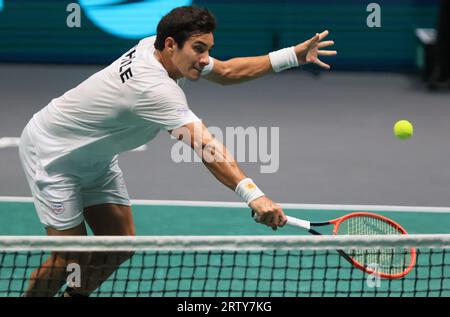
(244, 29)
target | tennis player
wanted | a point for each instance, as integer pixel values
(69, 148)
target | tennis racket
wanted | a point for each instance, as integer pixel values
(390, 263)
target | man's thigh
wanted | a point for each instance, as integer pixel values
(110, 219)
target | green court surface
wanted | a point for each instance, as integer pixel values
(161, 218)
(243, 273)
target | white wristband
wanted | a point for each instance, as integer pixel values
(247, 190)
(283, 59)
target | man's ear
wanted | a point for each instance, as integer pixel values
(170, 44)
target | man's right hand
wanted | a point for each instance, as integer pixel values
(310, 50)
(267, 212)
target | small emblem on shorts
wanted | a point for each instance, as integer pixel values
(57, 208)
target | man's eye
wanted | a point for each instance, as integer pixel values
(199, 49)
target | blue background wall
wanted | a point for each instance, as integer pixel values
(36, 31)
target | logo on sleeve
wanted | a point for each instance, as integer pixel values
(183, 111)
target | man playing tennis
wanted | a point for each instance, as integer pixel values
(69, 149)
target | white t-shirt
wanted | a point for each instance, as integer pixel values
(117, 109)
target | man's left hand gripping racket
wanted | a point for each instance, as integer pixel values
(390, 263)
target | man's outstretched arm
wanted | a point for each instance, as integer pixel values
(237, 70)
(224, 167)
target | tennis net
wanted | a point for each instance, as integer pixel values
(223, 266)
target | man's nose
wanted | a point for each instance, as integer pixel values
(204, 60)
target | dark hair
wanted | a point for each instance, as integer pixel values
(183, 22)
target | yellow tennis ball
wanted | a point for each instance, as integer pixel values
(403, 129)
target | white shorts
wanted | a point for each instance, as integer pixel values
(60, 196)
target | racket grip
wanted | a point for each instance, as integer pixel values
(295, 222)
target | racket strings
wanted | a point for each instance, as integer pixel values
(386, 260)
(364, 225)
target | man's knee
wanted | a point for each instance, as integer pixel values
(125, 256)
(63, 259)
(111, 259)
